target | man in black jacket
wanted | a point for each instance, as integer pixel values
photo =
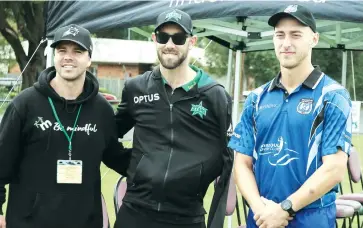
(53, 138)
(181, 117)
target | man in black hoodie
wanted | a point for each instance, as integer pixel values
(181, 117)
(53, 138)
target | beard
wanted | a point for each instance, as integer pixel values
(169, 63)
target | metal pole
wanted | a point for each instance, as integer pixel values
(352, 61)
(229, 71)
(236, 88)
(338, 36)
(344, 68)
(244, 78)
(338, 39)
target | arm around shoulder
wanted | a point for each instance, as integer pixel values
(116, 156)
(123, 118)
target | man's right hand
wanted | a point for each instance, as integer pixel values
(2, 221)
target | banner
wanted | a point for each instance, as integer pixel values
(103, 15)
(356, 105)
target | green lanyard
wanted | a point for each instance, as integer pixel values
(62, 127)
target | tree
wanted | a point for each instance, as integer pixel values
(262, 66)
(216, 57)
(330, 62)
(6, 57)
(28, 21)
(217, 62)
(358, 69)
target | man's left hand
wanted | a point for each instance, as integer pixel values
(273, 216)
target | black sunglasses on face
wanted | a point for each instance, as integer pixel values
(177, 38)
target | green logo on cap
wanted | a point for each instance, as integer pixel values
(174, 14)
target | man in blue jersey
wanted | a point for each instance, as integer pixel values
(294, 135)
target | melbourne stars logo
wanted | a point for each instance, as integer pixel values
(198, 109)
(174, 14)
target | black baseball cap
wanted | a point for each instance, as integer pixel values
(76, 34)
(300, 13)
(175, 16)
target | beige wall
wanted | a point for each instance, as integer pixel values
(116, 71)
(15, 69)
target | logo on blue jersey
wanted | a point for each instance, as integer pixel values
(266, 106)
(305, 106)
(278, 153)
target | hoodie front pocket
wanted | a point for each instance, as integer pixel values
(34, 206)
(63, 210)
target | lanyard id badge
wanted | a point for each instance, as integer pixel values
(69, 172)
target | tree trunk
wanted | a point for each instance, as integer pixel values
(35, 66)
(30, 25)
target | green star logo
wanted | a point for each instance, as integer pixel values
(199, 110)
(174, 14)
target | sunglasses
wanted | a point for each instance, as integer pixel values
(177, 38)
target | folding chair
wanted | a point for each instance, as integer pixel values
(344, 212)
(245, 209)
(355, 176)
(231, 197)
(119, 193)
(347, 209)
(232, 201)
(106, 221)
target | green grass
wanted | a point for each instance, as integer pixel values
(3, 108)
(110, 178)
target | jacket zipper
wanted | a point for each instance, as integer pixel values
(171, 139)
(171, 148)
(200, 179)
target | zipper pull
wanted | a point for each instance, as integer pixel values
(171, 107)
